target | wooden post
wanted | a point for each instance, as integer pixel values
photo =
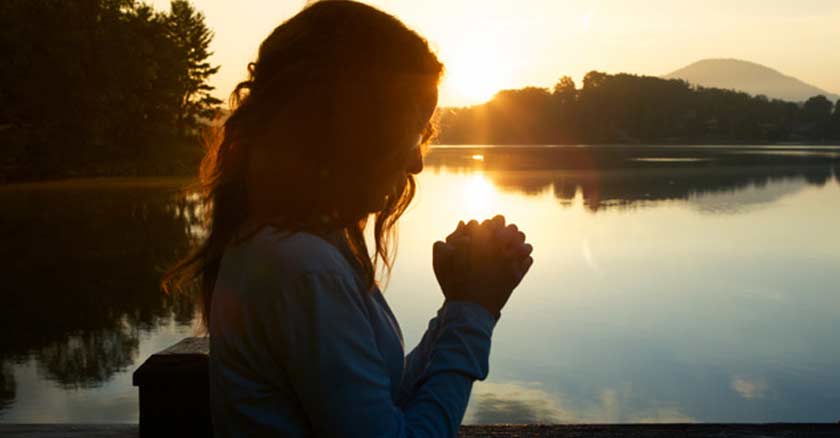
(174, 391)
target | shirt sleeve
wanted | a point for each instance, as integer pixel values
(417, 361)
(328, 349)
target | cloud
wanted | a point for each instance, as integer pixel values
(750, 388)
(528, 403)
(666, 414)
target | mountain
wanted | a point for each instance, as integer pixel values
(733, 74)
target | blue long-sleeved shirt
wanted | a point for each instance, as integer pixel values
(299, 348)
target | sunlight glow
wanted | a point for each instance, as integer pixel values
(489, 45)
(586, 252)
(478, 157)
(480, 198)
(587, 21)
(474, 70)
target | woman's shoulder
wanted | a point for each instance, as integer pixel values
(291, 254)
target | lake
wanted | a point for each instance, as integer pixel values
(670, 284)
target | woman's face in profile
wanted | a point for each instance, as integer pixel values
(412, 165)
(410, 148)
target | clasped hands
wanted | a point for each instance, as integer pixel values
(482, 262)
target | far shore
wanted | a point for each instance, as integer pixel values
(81, 183)
(831, 153)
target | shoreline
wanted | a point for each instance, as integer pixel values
(98, 182)
(611, 152)
(633, 430)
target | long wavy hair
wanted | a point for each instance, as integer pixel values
(335, 105)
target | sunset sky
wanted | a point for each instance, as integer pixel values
(492, 44)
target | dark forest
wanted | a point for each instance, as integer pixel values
(102, 87)
(631, 109)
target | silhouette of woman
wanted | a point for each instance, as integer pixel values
(327, 131)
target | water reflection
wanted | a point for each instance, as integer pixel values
(89, 358)
(661, 291)
(515, 403)
(530, 403)
(631, 177)
(82, 264)
(8, 386)
(749, 387)
(667, 288)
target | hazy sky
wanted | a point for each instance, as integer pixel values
(492, 44)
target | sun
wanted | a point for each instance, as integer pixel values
(474, 73)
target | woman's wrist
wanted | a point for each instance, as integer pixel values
(495, 314)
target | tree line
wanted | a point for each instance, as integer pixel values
(102, 87)
(631, 109)
(114, 87)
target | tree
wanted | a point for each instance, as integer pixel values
(817, 113)
(565, 90)
(101, 87)
(626, 108)
(192, 37)
(594, 79)
(817, 108)
(835, 121)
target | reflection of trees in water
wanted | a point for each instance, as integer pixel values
(628, 189)
(8, 387)
(495, 410)
(518, 403)
(510, 403)
(530, 403)
(630, 177)
(82, 272)
(89, 358)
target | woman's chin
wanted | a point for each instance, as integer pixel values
(376, 205)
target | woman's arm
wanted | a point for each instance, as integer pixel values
(417, 360)
(417, 363)
(330, 355)
(463, 272)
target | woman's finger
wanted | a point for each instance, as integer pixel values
(524, 250)
(441, 255)
(459, 241)
(511, 233)
(496, 223)
(471, 227)
(519, 268)
(508, 236)
(518, 251)
(525, 265)
(458, 230)
(499, 221)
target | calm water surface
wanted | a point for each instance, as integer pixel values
(691, 284)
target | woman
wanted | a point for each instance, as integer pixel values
(327, 131)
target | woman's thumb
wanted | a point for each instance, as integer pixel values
(441, 251)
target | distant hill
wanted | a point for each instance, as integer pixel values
(733, 74)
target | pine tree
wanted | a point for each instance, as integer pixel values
(191, 36)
